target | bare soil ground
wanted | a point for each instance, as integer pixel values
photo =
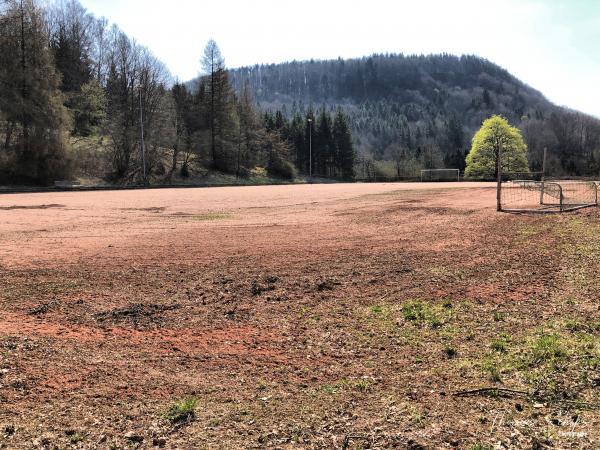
(327, 316)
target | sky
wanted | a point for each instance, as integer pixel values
(552, 45)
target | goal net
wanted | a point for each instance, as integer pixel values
(548, 196)
(440, 175)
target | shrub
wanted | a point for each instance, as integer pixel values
(281, 168)
(258, 172)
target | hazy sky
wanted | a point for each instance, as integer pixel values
(553, 45)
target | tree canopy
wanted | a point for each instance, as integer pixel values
(323, 135)
(78, 97)
(412, 112)
(494, 135)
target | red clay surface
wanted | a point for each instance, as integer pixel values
(44, 228)
(282, 310)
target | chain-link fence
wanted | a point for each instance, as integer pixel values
(548, 196)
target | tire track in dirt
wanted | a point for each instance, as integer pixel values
(232, 341)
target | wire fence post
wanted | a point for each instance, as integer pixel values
(543, 177)
(562, 199)
(142, 137)
(499, 178)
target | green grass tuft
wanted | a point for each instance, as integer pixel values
(500, 344)
(181, 411)
(421, 313)
(76, 437)
(547, 347)
(376, 309)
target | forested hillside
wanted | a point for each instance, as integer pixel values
(422, 111)
(79, 98)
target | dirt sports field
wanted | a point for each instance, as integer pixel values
(347, 316)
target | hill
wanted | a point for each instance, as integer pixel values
(422, 111)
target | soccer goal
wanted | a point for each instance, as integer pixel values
(440, 175)
(547, 196)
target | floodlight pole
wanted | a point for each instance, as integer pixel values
(499, 178)
(310, 148)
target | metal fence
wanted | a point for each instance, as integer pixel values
(548, 196)
(440, 175)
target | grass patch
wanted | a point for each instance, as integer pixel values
(455, 273)
(415, 414)
(75, 437)
(381, 318)
(493, 369)
(423, 314)
(41, 289)
(330, 389)
(574, 325)
(363, 385)
(500, 344)
(499, 316)
(181, 411)
(580, 243)
(335, 387)
(546, 348)
(558, 361)
(377, 310)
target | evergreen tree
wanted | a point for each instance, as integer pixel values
(249, 133)
(454, 157)
(323, 145)
(308, 156)
(30, 98)
(219, 100)
(295, 136)
(345, 154)
(428, 102)
(279, 121)
(333, 152)
(70, 41)
(89, 108)
(182, 106)
(269, 121)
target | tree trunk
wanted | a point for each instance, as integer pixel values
(239, 152)
(212, 118)
(25, 120)
(499, 178)
(175, 151)
(174, 163)
(9, 131)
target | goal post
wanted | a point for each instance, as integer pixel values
(440, 175)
